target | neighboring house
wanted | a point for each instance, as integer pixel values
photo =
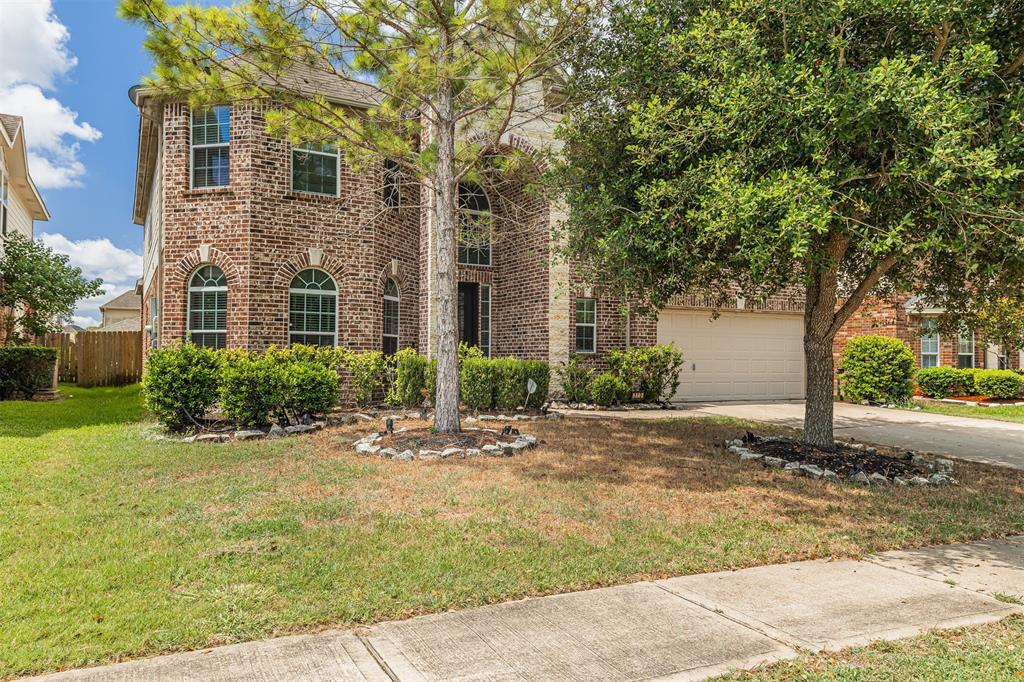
(911, 319)
(122, 313)
(20, 202)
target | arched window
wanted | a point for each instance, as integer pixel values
(391, 301)
(313, 309)
(474, 225)
(208, 307)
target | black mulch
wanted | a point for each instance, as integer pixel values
(844, 460)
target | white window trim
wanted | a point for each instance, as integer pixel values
(490, 240)
(938, 346)
(398, 332)
(193, 147)
(578, 324)
(337, 172)
(490, 336)
(318, 292)
(396, 177)
(188, 308)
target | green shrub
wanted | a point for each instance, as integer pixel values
(180, 383)
(877, 369)
(942, 382)
(25, 370)
(367, 370)
(331, 357)
(654, 369)
(467, 351)
(431, 380)
(309, 387)
(509, 383)
(608, 388)
(409, 378)
(999, 383)
(252, 386)
(540, 372)
(575, 378)
(970, 385)
(477, 383)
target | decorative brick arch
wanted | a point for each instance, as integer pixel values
(311, 258)
(520, 144)
(204, 255)
(396, 271)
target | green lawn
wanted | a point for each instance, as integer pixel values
(1009, 413)
(992, 653)
(116, 544)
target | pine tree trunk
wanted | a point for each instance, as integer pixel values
(446, 400)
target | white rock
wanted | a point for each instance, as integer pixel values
(878, 479)
(451, 452)
(774, 462)
(299, 428)
(491, 450)
(940, 479)
(367, 449)
(830, 475)
(944, 465)
(390, 453)
(811, 471)
(918, 480)
(860, 477)
(211, 438)
(430, 454)
(405, 456)
(276, 431)
(748, 456)
(249, 435)
(473, 452)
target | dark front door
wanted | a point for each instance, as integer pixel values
(469, 311)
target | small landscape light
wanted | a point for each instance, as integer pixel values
(637, 394)
(389, 425)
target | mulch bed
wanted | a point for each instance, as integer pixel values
(844, 460)
(427, 439)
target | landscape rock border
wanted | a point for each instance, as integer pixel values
(274, 431)
(367, 445)
(942, 468)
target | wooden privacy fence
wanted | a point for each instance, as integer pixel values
(98, 358)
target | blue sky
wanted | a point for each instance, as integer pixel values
(66, 66)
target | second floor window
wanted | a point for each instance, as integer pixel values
(211, 147)
(315, 168)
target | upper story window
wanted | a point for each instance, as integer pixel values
(929, 342)
(313, 309)
(5, 202)
(392, 192)
(586, 325)
(211, 147)
(208, 307)
(391, 313)
(475, 225)
(965, 349)
(315, 168)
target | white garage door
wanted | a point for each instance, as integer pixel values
(739, 356)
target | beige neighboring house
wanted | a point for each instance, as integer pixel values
(122, 313)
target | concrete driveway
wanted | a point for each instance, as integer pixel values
(981, 440)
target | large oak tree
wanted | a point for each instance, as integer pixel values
(842, 147)
(446, 78)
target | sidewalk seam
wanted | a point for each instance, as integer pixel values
(385, 668)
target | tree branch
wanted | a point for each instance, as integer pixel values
(1013, 66)
(863, 289)
(941, 34)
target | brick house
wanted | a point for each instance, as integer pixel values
(251, 242)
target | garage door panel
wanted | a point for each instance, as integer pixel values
(739, 356)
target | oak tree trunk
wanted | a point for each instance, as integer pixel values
(819, 330)
(446, 400)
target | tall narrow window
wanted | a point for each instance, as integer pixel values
(586, 325)
(475, 225)
(392, 194)
(929, 342)
(965, 349)
(313, 309)
(208, 307)
(211, 147)
(154, 319)
(485, 319)
(315, 168)
(391, 313)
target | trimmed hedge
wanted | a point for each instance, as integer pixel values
(252, 386)
(25, 370)
(608, 388)
(367, 370)
(654, 369)
(878, 369)
(999, 383)
(942, 382)
(409, 378)
(476, 383)
(501, 383)
(181, 384)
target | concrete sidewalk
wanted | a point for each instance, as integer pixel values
(980, 440)
(686, 628)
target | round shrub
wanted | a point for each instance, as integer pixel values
(476, 383)
(942, 382)
(367, 370)
(180, 384)
(576, 379)
(509, 383)
(608, 388)
(999, 383)
(877, 369)
(309, 387)
(653, 369)
(410, 378)
(251, 387)
(540, 372)
(25, 370)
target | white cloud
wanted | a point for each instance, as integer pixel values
(33, 57)
(85, 321)
(118, 267)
